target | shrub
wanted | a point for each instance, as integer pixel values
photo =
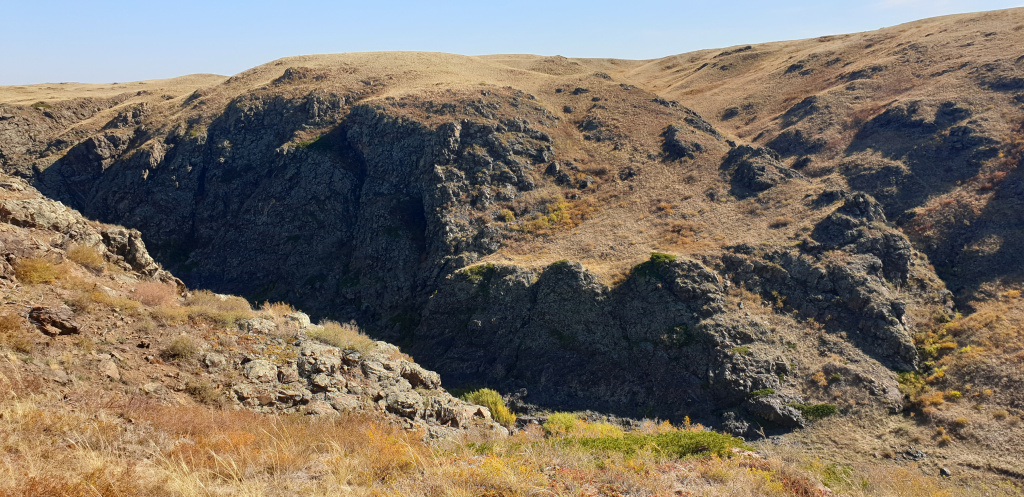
(12, 337)
(601, 429)
(764, 392)
(780, 222)
(492, 400)
(114, 302)
(182, 348)
(561, 424)
(649, 268)
(480, 272)
(223, 310)
(85, 256)
(169, 314)
(277, 308)
(741, 350)
(36, 270)
(506, 215)
(154, 293)
(815, 412)
(676, 445)
(344, 336)
(203, 392)
(658, 258)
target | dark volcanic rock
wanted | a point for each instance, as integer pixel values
(793, 142)
(754, 170)
(645, 346)
(676, 146)
(843, 276)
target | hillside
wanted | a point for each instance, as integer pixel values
(752, 238)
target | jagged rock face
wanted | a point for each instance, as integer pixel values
(21, 206)
(658, 344)
(846, 274)
(662, 343)
(754, 169)
(375, 210)
(381, 214)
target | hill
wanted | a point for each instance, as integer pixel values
(750, 238)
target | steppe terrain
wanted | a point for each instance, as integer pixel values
(787, 268)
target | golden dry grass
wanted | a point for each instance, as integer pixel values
(85, 256)
(37, 270)
(130, 446)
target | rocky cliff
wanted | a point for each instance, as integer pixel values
(498, 220)
(88, 302)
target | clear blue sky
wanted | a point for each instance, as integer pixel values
(108, 40)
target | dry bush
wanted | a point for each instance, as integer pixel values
(223, 310)
(780, 222)
(203, 392)
(182, 348)
(344, 336)
(121, 304)
(277, 309)
(85, 256)
(36, 270)
(12, 333)
(154, 293)
(169, 314)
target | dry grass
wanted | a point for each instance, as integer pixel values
(94, 449)
(181, 348)
(87, 257)
(35, 270)
(221, 310)
(344, 336)
(154, 293)
(13, 333)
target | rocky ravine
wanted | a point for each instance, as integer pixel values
(382, 212)
(265, 364)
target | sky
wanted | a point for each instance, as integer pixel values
(103, 41)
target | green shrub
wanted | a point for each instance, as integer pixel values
(674, 445)
(741, 350)
(649, 268)
(480, 272)
(506, 215)
(492, 400)
(659, 258)
(762, 392)
(562, 424)
(814, 412)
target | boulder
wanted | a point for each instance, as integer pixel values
(260, 371)
(54, 320)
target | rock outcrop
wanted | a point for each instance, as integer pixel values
(326, 380)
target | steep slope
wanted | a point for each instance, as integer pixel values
(85, 305)
(924, 116)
